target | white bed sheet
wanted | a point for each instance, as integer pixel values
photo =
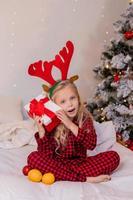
(15, 186)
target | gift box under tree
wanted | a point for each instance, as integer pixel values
(45, 108)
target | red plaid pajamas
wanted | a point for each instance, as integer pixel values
(71, 163)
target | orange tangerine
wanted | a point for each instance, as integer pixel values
(48, 178)
(35, 175)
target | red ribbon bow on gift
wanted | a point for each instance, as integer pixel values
(38, 108)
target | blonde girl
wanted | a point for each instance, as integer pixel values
(64, 151)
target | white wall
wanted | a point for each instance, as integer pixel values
(31, 30)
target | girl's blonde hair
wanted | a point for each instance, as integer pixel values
(61, 132)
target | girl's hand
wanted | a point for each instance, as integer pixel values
(67, 122)
(40, 127)
(64, 118)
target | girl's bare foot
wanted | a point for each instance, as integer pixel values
(98, 179)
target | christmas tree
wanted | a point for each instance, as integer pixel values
(113, 98)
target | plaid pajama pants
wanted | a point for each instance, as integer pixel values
(76, 169)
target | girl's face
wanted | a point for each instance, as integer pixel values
(68, 100)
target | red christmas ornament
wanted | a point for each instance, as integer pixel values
(25, 170)
(116, 78)
(128, 35)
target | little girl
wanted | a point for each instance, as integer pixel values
(63, 152)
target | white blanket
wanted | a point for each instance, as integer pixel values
(15, 186)
(16, 134)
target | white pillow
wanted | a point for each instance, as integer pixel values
(10, 109)
(106, 137)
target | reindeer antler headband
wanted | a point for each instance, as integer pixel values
(43, 70)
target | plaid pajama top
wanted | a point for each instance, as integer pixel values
(71, 162)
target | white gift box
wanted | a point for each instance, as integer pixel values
(47, 111)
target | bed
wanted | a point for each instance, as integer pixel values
(17, 141)
(14, 186)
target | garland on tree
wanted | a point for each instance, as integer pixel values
(113, 98)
